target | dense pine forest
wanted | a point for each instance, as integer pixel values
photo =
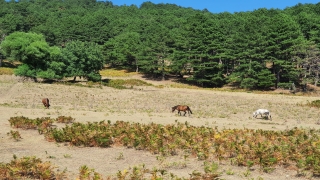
(260, 49)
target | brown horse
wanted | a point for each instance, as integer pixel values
(45, 102)
(180, 108)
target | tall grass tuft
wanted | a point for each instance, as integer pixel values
(6, 71)
(315, 103)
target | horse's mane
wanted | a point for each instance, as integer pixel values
(175, 106)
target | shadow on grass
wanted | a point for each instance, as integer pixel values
(106, 80)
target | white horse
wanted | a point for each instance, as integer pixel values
(264, 112)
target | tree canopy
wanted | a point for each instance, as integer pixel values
(51, 62)
(82, 59)
(263, 48)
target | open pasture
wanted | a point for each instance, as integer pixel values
(143, 104)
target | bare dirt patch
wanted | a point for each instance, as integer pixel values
(216, 109)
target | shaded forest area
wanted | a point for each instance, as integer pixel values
(260, 49)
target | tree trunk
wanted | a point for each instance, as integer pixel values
(137, 67)
(277, 79)
(277, 74)
(305, 87)
(35, 79)
(74, 79)
(316, 78)
(1, 39)
(162, 71)
(162, 68)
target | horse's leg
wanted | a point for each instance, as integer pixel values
(185, 113)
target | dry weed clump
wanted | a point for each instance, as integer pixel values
(315, 103)
(28, 168)
(65, 119)
(27, 123)
(242, 147)
(15, 135)
(41, 124)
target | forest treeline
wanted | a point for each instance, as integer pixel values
(256, 49)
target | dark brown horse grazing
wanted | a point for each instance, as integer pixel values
(45, 102)
(180, 108)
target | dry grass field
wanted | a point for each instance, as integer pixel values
(143, 104)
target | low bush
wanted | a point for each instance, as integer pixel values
(315, 103)
(243, 147)
(30, 168)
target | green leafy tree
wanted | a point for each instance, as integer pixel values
(83, 59)
(158, 39)
(38, 58)
(11, 22)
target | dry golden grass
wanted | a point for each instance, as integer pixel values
(116, 73)
(6, 71)
(216, 108)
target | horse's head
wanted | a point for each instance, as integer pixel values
(174, 108)
(254, 114)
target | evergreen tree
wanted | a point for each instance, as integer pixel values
(284, 37)
(251, 76)
(83, 59)
(208, 75)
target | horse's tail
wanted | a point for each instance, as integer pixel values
(189, 109)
